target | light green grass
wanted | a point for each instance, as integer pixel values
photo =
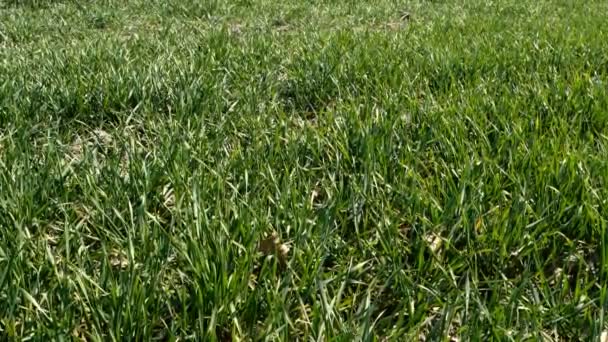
(443, 176)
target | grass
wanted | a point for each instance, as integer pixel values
(303, 170)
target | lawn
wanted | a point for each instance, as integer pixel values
(303, 170)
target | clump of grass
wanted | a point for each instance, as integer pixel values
(264, 170)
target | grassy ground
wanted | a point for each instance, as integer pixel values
(303, 170)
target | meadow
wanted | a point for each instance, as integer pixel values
(303, 170)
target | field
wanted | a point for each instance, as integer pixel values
(303, 170)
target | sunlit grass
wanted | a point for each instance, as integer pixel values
(303, 170)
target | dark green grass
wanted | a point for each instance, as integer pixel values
(439, 175)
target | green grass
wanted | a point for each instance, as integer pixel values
(440, 176)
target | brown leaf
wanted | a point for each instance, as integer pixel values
(267, 245)
(272, 245)
(118, 259)
(404, 230)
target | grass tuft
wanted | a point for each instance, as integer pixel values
(321, 170)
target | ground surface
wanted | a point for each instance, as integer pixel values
(429, 169)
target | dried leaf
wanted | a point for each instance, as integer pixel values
(168, 197)
(119, 259)
(79, 331)
(283, 251)
(405, 15)
(394, 26)
(272, 245)
(434, 242)
(268, 245)
(479, 226)
(253, 281)
(404, 230)
(313, 196)
(236, 28)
